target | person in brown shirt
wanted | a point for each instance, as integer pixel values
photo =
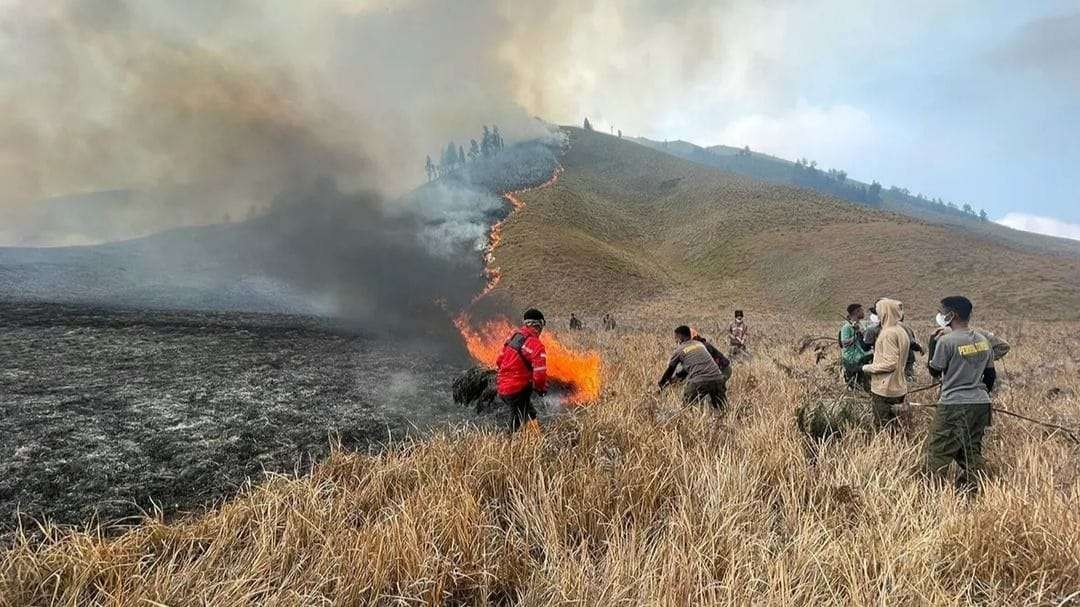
(704, 379)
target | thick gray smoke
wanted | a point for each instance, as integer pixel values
(169, 113)
(307, 121)
(406, 268)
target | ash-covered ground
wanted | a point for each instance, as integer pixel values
(116, 397)
(106, 411)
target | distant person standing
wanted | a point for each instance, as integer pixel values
(853, 353)
(738, 336)
(888, 382)
(961, 357)
(575, 323)
(609, 322)
(522, 370)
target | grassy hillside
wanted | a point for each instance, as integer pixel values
(777, 170)
(629, 228)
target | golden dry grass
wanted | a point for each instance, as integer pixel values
(634, 500)
(628, 228)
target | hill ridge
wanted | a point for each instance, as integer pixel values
(630, 228)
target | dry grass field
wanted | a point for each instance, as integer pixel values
(636, 499)
(632, 500)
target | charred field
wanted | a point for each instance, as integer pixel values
(108, 412)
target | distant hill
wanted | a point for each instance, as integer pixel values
(628, 227)
(777, 170)
(110, 216)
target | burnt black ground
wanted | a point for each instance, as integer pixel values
(104, 412)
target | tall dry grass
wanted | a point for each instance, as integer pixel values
(634, 500)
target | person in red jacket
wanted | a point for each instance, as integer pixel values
(522, 370)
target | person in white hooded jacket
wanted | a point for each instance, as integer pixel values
(888, 382)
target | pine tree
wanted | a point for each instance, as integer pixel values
(875, 192)
(451, 156)
(474, 150)
(587, 126)
(461, 155)
(429, 168)
(496, 138)
(485, 143)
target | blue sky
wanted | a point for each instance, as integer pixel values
(975, 102)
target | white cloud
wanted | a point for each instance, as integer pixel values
(1041, 225)
(833, 135)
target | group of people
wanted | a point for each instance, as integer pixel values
(521, 367)
(879, 357)
(705, 370)
(607, 322)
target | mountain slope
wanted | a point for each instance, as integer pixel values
(629, 228)
(785, 172)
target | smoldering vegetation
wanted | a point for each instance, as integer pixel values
(108, 412)
(401, 263)
(181, 365)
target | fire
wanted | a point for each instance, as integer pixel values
(491, 271)
(581, 370)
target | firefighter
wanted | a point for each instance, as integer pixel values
(961, 357)
(738, 334)
(703, 376)
(522, 370)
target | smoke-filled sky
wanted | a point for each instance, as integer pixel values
(974, 102)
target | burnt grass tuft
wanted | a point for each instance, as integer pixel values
(107, 413)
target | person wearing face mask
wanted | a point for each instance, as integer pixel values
(888, 384)
(853, 354)
(961, 357)
(873, 327)
(738, 335)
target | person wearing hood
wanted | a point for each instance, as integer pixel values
(888, 383)
(874, 328)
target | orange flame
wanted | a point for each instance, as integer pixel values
(581, 370)
(491, 271)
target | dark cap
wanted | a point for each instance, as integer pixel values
(533, 314)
